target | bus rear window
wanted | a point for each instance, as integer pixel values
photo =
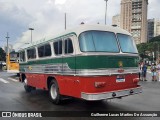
(127, 43)
(98, 41)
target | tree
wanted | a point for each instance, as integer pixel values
(2, 55)
(142, 48)
(155, 39)
(146, 50)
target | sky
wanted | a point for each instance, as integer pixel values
(47, 17)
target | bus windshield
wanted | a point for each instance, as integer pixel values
(98, 41)
(127, 43)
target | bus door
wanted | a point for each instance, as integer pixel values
(69, 67)
(58, 68)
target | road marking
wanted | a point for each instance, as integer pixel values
(13, 79)
(4, 81)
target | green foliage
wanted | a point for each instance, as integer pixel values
(2, 55)
(146, 49)
(141, 48)
(155, 39)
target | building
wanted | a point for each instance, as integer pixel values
(116, 20)
(150, 34)
(134, 18)
(153, 28)
(126, 15)
(156, 27)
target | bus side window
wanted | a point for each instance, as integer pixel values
(68, 46)
(31, 53)
(47, 50)
(41, 51)
(58, 47)
(44, 51)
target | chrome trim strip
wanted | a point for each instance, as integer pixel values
(81, 55)
(64, 69)
(109, 95)
(107, 54)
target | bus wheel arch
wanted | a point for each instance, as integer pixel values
(49, 79)
(26, 86)
(53, 88)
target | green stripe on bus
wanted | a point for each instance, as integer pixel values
(90, 62)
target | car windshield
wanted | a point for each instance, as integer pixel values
(127, 43)
(98, 41)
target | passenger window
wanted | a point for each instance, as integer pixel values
(22, 56)
(41, 51)
(44, 51)
(31, 53)
(68, 46)
(58, 47)
(47, 50)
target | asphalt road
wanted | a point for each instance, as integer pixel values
(14, 98)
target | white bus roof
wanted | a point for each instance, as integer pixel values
(78, 30)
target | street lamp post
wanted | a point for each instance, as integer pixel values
(7, 52)
(31, 33)
(7, 43)
(65, 21)
(106, 12)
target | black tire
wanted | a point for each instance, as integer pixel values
(54, 94)
(27, 87)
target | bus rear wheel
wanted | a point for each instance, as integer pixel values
(27, 87)
(54, 94)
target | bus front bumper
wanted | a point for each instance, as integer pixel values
(110, 95)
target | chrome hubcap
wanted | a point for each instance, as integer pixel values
(53, 91)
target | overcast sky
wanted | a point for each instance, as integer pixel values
(47, 16)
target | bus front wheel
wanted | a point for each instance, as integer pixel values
(54, 92)
(27, 87)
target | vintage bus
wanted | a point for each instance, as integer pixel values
(12, 62)
(91, 62)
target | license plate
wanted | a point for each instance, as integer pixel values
(120, 78)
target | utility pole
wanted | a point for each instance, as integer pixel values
(106, 12)
(7, 53)
(65, 21)
(31, 33)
